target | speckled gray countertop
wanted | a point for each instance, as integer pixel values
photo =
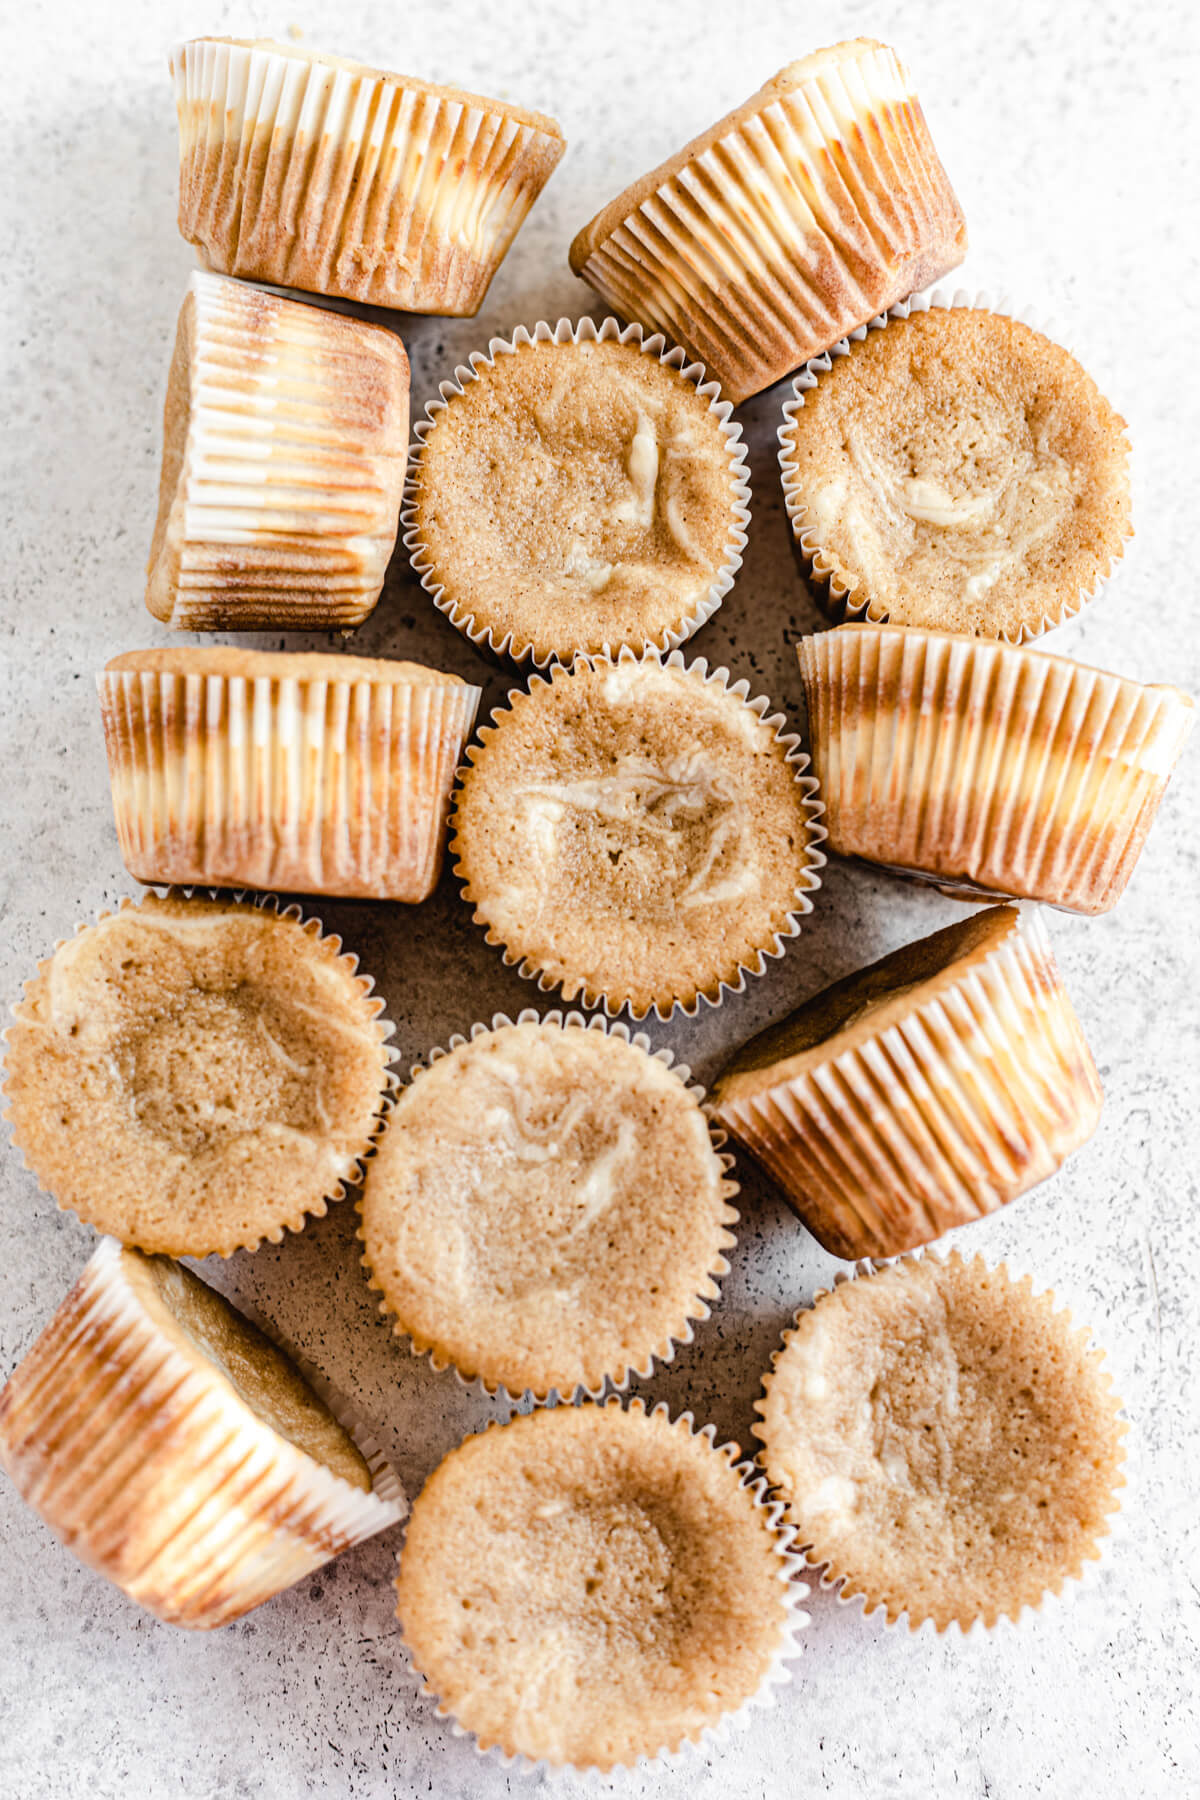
(1068, 133)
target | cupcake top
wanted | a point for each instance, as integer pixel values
(636, 832)
(944, 1440)
(576, 495)
(277, 665)
(958, 470)
(588, 1585)
(193, 1075)
(546, 1208)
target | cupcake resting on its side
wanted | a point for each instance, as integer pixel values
(546, 1208)
(177, 1452)
(587, 1585)
(285, 438)
(945, 1442)
(991, 770)
(577, 490)
(313, 172)
(803, 213)
(194, 1075)
(637, 832)
(920, 1093)
(955, 469)
(310, 774)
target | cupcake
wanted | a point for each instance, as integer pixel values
(284, 446)
(314, 774)
(177, 1452)
(945, 1442)
(987, 769)
(547, 1208)
(800, 215)
(313, 172)
(588, 1585)
(955, 470)
(637, 833)
(577, 490)
(194, 1075)
(920, 1093)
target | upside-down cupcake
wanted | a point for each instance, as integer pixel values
(176, 1451)
(284, 446)
(311, 774)
(945, 1442)
(194, 1075)
(988, 769)
(546, 1208)
(637, 832)
(800, 215)
(954, 468)
(576, 490)
(589, 1585)
(919, 1093)
(313, 172)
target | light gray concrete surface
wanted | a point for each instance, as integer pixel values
(1068, 132)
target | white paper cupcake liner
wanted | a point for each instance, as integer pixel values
(160, 1481)
(797, 760)
(586, 331)
(384, 1027)
(723, 1731)
(834, 595)
(661, 1356)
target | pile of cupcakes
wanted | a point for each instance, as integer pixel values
(546, 1204)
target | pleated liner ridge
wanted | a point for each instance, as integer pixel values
(979, 1094)
(822, 207)
(346, 181)
(154, 1477)
(986, 768)
(306, 786)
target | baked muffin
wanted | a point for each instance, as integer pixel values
(946, 1444)
(955, 469)
(314, 774)
(588, 1585)
(637, 833)
(800, 215)
(920, 1093)
(988, 769)
(313, 172)
(284, 445)
(576, 490)
(194, 1075)
(546, 1207)
(177, 1452)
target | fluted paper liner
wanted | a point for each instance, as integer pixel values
(981, 1092)
(306, 783)
(284, 443)
(293, 1217)
(892, 1610)
(613, 1380)
(505, 644)
(805, 212)
(688, 1753)
(835, 595)
(320, 174)
(159, 1478)
(987, 769)
(731, 981)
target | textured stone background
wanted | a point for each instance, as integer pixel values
(1068, 132)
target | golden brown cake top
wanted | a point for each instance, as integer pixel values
(943, 1439)
(957, 469)
(192, 1075)
(587, 1584)
(578, 495)
(277, 665)
(545, 1208)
